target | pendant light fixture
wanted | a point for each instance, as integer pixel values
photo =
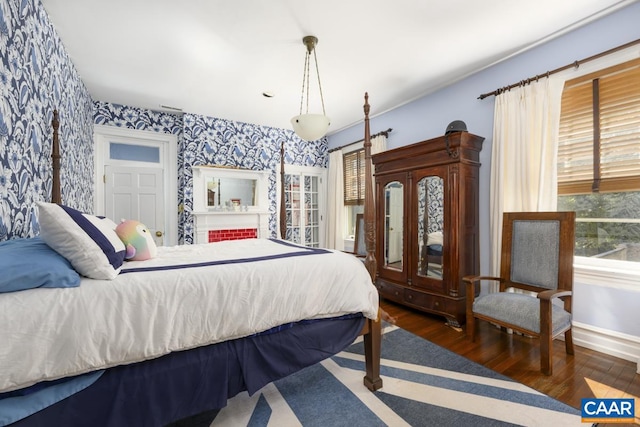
(307, 126)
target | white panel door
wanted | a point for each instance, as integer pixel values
(134, 158)
(136, 193)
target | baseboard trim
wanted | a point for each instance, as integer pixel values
(613, 343)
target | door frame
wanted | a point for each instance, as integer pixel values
(168, 145)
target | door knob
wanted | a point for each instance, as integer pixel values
(159, 233)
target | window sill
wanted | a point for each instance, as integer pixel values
(607, 273)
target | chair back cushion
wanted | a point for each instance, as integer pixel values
(535, 253)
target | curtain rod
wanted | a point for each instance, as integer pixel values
(575, 64)
(384, 132)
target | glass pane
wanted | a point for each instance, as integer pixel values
(607, 224)
(393, 234)
(430, 193)
(135, 153)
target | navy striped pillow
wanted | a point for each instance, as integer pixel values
(88, 242)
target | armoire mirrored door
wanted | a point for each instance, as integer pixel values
(430, 217)
(391, 249)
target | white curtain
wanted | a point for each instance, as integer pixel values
(523, 159)
(378, 144)
(336, 211)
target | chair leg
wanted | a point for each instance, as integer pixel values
(546, 344)
(568, 341)
(471, 328)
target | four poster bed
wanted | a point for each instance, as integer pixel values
(149, 343)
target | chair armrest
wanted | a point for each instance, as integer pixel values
(545, 298)
(554, 293)
(473, 279)
(472, 282)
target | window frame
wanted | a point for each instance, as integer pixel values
(349, 177)
(353, 209)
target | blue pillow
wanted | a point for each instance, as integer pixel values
(31, 263)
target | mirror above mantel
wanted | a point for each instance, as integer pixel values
(220, 189)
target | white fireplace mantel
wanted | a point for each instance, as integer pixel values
(229, 199)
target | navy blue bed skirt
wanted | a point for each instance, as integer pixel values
(183, 384)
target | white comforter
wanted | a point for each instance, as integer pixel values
(53, 333)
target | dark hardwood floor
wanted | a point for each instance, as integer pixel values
(586, 374)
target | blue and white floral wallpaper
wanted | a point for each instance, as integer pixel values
(36, 77)
(213, 141)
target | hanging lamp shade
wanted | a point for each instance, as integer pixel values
(310, 126)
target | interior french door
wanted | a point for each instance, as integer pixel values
(304, 205)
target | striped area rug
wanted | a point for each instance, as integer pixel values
(424, 385)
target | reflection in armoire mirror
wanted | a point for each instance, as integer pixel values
(393, 233)
(430, 197)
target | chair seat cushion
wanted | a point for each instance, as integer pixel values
(521, 310)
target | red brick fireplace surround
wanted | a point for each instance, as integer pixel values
(232, 234)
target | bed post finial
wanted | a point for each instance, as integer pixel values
(56, 196)
(369, 211)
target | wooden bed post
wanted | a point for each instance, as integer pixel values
(283, 211)
(369, 210)
(56, 196)
(372, 339)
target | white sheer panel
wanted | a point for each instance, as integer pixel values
(523, 160)
(378, 144)
(335, 203)
(336, 210)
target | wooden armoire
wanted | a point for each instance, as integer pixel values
(427, 231)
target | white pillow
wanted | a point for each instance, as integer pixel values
(89, 243)
(435, 238)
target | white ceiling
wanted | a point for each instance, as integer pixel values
(217, 57)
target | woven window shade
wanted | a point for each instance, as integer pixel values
(354, 178)
(607, 130)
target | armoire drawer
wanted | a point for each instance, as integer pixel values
(427, 301)
(390, 291)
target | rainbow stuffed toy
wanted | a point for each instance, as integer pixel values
(137, 240)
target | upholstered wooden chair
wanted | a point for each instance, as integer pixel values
(536, 256)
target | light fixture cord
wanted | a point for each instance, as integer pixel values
(319, 84)
(305, 80)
